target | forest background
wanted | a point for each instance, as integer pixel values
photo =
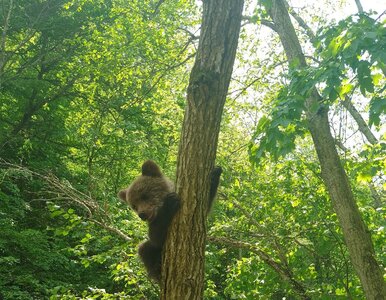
(90, 89)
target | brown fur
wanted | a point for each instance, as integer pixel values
(152, 197)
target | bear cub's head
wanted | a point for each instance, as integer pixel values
(147, 192)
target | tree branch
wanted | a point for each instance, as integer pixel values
(300, 21)
(362, 125)
(111, 229)
(4, 38)
(65, 191)
(279, 268)
(359, 6)
(255, 20)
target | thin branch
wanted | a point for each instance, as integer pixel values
(380, 16)
(4, 37)
(191, 34)
(339, 143)
(359, 6)
(112, 230)
(254, 20)
(312, 58)
(279, 268)
(60, 191)
(362, 125)
(300, 21)
(376, 196)
(365, 130)
(156, 9)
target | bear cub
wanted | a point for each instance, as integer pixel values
(153, 198)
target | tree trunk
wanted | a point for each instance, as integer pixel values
(362, 125)
(183, 259)
(355, 233)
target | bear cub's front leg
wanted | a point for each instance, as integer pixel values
(158, 228)
(151, 250)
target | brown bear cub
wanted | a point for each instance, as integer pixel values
(152, 197)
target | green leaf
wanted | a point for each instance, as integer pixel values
(364, 77)
(377, 108)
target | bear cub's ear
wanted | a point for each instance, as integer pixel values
(150, 168)
(122, 195)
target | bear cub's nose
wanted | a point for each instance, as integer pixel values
(142, 216)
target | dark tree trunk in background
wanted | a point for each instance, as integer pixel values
(355, 232)
(183, 263)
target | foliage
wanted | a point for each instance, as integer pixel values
(356, 45)
(85, 88)
(283, 211)
(350, 55)
(90, 89)
(277, 133)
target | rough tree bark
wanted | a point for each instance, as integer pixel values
(183, 259)
(355, 232)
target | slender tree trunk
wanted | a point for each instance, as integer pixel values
(183, 260)
(364, 128)
(5, 25)
(362, 125)
(359, 6)
(355, 233)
